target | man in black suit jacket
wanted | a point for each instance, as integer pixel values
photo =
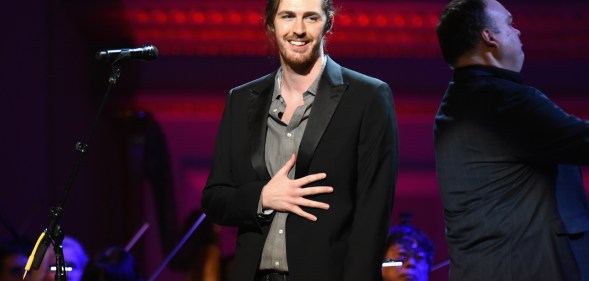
(305, 160)
(514, 204)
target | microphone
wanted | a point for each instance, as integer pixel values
(147, 52)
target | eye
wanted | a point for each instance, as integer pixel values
(312, 18)
(510, 21)
(286, 16)
(420, 257)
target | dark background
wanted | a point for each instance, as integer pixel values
(150, 153)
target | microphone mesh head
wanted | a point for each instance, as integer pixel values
(152, 51)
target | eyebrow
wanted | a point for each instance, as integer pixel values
(305, 14)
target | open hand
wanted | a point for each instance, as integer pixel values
(286, 195)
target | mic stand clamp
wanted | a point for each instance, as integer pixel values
(51, 235)
(60, 272)
(116, 73)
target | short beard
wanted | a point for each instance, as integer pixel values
(301, 65)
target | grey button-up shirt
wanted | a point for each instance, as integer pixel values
(282, 140)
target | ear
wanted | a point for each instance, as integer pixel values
(488, 38)
(270, 29)
(328, 25)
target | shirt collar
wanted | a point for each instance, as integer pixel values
(473, 71)
(311, 90)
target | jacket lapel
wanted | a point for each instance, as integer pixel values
(331, 89)
(258, 106)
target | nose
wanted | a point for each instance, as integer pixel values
(409, 262)
(299, 28)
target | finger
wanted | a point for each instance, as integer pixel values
(298, 211)
(288, 165)
(311, 178)
(315, 190)
(312, 204)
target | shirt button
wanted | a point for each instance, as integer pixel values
(275, 110)
(277, 263)
(289, 135)
(280, 231)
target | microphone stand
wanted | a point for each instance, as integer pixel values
(54, 234)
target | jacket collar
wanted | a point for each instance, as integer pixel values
(331, 89)
(475, 71)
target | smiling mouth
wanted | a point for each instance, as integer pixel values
(297, 43)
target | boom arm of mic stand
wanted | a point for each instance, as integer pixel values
(54, 234)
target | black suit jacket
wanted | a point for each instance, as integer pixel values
(499, 149)
(351, 135)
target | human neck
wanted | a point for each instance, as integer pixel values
(298, 80)
(481, 57)
(473, 59)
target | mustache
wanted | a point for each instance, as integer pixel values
(298, 38)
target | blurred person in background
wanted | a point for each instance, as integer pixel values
(75, 260)
(409, 254)
(14, 254)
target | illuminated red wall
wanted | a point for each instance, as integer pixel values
(53, 85)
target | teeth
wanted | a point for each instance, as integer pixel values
(297, 43)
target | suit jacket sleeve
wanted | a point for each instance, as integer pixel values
(225, 201)
(543, 131)
(377, 174)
